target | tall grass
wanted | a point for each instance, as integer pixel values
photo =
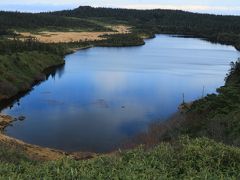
(200, 158)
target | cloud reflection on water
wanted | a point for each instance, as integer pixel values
(104, 95)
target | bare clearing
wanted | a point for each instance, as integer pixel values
(57, 37)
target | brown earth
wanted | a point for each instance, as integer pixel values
(57, 37)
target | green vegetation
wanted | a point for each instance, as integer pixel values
(120, 40)
(38, 22)
(184, 159)
(23, 69)
(15, 46)
(22, 64)
(218, 115)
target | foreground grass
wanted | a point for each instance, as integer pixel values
(184, 159)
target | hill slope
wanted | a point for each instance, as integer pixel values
(185, 159)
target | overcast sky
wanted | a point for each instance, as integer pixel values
(208, 6)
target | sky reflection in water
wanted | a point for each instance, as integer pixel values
(104, 95)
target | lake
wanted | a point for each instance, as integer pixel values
(103, 96)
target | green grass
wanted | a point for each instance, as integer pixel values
(185, 159)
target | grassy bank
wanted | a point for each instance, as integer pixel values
(19, 71)
(184, 159)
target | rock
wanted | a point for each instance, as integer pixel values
(5, 120)
(21, 118)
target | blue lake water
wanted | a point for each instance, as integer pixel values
(103, 96)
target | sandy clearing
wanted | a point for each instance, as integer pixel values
(57, 37)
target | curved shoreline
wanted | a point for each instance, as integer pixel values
(37, 152)
(47, 153)
(73, 50)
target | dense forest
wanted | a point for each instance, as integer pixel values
(11, 46)
(29, 21)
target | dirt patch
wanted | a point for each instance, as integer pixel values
(58, 37)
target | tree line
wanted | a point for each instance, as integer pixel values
(218, 28)
(31, 21)
(15, 46)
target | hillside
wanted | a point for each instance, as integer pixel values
(184, 159)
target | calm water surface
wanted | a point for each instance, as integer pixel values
(105, 95)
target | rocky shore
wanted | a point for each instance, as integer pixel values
(5, 120)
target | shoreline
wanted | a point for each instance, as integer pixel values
(37, 152)
(73, 50)
(6, 120)
(5, 102)
(34, 151)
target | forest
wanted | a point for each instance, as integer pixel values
(29, 21)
